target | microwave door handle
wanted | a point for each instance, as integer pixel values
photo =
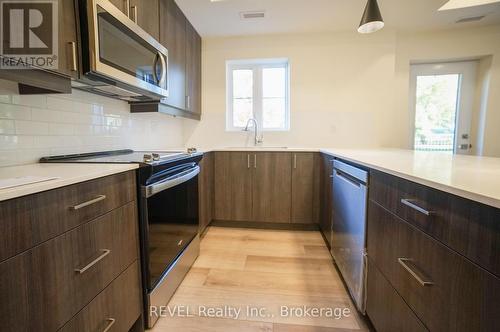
(153, 189)
(163, 68)
(155, 64)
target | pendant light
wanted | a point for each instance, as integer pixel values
(372, 19)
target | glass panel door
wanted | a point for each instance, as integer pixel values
(441, 104)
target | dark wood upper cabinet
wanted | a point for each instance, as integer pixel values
(173, 37)
(272, 187)
(303, 186)
(67, 39)
(146, 14)
(179, 36)
(193, 69)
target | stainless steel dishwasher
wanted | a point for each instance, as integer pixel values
(350, 189)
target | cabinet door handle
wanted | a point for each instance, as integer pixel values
(105, 252)
(248, 161)
(188, 102)
(134, 11)
(254, 161)
(402, 261)
(127, 8)
(111, 322)
(74, 66)
(410, 203)
(87, 203)
(295, 161)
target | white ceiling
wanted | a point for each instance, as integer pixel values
(222, 18)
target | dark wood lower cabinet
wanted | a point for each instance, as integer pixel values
(117, 307)
(444, 289)
(386, 309)
(271, 191)
(206, 190)
(47, 284)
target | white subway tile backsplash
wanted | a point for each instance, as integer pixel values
(62, 129)
(7, 127)
(5, 99)
(32, 128)
(41, 125)
(9, 111)
(10, 142)
(30, 100)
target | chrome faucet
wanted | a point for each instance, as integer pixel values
(258, 139)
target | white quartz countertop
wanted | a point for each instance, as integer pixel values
(472, 177)
(66, 174)
(475, 178)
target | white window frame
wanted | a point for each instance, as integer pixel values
(256, 65)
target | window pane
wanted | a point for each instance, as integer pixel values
(242, 83)
(274, 82)
(242, 111)
(436, 108)
(274, 112)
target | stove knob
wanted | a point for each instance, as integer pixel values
(156, 156)
(148, 158)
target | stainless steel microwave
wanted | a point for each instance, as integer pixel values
(119, 59)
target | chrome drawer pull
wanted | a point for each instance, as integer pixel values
(110, 324)
(410, 203)
(87, 203)
(105, 252)
(403, 261)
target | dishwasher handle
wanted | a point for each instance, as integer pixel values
(347, 178)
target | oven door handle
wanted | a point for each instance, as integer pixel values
(153, 189)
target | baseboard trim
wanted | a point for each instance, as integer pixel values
(265, 225)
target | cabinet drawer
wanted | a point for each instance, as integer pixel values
(30, 220)
(62, 275)
(470, 228)
(387, 310)
(444, 289)
(117, 307)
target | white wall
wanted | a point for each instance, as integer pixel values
(347, 90)
(41, 125)
(341, 89)
(459, 44)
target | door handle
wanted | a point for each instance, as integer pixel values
(74, 65)
(402, 261)
(87, 203)
(255, 161)
(410, 203)
(111, 322)
(105, 252)
(134, 11)
(295, 161)
(127, 8)
(248, 161)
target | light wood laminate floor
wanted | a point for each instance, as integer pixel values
(265, 274)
